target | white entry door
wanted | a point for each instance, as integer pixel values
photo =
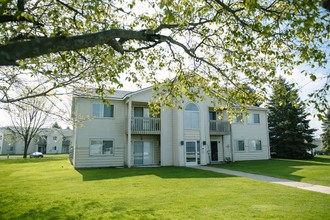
(191, 153)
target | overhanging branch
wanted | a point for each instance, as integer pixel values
(12, 52)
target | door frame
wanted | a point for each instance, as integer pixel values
(217, 142)
(194, 163)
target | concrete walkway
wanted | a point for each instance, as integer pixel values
(286, 182)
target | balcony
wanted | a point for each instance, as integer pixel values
(218, 127)
(145, 125)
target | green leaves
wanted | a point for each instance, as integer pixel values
(220, 47)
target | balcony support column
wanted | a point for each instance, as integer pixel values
(129, 133)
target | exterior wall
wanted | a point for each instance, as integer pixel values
(54, 143)
(100, 128)
(228, 153)
(247, 131)
(1, 141)
(169, 146)
(9, 144)
(13, 145)
(167, 140)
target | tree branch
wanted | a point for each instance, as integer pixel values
(12, 52)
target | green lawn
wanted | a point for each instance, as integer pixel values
(316, 171)
(20, 156)
(52, 189)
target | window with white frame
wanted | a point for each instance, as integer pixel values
(191, 116)
(101, 147)
(55, 138)
(240, 145)
(255, 145)
(254, 118)
(239, 118)
(102, 111)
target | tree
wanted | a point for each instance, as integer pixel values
(217, 46)
(289, 132)
(326, 133)
(27, 119)
(56, 125)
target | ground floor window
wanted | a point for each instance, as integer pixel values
(101, 147)
(255, 145)
(240, 145)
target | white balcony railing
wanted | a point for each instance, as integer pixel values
(219, 127)
(142, 125)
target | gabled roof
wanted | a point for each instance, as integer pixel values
(117, 95)
(90, 93)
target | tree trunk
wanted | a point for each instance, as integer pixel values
(26, 147)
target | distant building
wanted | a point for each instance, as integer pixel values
(48, 140)
(318, 142)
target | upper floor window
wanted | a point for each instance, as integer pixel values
(191, 116)
(254, 119)
(239, 118)
(213, 115)
(102, 111)
(144, 112)
(55, 138)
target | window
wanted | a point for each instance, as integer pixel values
(239, 118)
(254, 119)
(55, 138)
(240, 145)
(0, 137)
(101, 147)
(191, 117)
(102, 111)
(255, 145)
(54, 148)
(213, 115)
(143, 112)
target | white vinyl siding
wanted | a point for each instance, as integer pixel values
(102, 111)
(101, 147)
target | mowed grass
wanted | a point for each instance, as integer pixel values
(316, 170)
(52, 189)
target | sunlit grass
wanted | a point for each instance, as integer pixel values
(52, 189)
(316, 171)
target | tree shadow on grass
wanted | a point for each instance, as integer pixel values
(91, 174)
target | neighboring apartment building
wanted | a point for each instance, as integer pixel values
(48, 140)
(126, 134)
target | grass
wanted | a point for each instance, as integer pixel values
(52, 189)
(20, 156)
(315, 171)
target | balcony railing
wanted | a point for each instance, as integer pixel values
(142, 125)
(218, 127)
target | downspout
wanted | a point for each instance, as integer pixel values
(129, 133)
(231, 146)
(268, 142)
